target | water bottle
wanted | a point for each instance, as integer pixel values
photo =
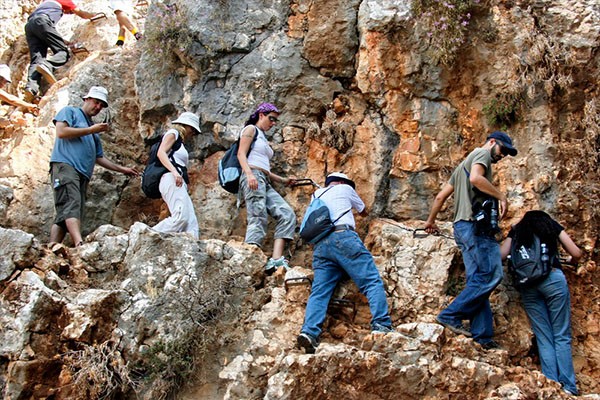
(545, 257)
(494, 217)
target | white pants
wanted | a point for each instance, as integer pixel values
(183, 218)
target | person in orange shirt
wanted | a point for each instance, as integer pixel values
(41, 34)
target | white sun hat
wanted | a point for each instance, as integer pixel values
(98, 93)
(190, 119)
(5, 72)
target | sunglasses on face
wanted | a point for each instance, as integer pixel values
(503, 150)
(273, 119)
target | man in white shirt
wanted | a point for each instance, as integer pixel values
(342, 252)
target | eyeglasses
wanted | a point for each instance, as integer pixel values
(273, 119)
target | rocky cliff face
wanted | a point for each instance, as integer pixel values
(391, 92)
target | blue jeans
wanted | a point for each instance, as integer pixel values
(343, 251)
(483, 268)
(548, 306)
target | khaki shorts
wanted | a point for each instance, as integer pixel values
(70, 189)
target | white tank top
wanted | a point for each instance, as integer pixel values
(261, 153)
(181, 156)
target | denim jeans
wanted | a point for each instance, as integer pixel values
(343, 251)
(483, 266)
(548, 306)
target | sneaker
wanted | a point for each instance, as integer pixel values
(29, 95)
(138, 36)
(492, 344)
(458, 329)
(46, 73)
(273, 264)
(307, 342)
(119, 43)
(378, 328)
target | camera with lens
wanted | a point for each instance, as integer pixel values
(485, 214)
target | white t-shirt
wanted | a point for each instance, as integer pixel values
(340, 198)
(181, 156)
(261, 153)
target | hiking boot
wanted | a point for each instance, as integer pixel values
(458, 329)
(307, 342)
(492, 344)
(273, 264)
(378, 328)
(46, 73)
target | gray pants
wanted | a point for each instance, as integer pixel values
(262, 202)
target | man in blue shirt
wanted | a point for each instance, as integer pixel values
(342, 252)
(76, 150)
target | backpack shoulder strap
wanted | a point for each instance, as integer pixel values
(344, 213)
(253, 140)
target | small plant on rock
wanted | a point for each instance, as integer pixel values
(167, 33)
(503, 110)
(446, 23)
(99, 372)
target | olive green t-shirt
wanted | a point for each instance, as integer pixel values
(463, 190)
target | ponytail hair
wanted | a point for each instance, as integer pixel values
(180, 129)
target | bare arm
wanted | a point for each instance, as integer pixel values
(64, 131)
(16, 101)
(117, 168)
(505, 248)
(246, 138)
(83, 14)
(163, 155)
(570, 246)
(478, 179)
(438, 202)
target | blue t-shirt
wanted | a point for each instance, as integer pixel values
(80, 153)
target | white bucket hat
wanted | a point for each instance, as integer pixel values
(339, 177)
(5, 72)
(98, 93)
(190, 119)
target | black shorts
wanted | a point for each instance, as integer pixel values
(70, 189)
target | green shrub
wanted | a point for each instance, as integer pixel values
(503, 110)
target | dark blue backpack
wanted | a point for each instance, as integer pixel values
(317, 223)
(229, 169)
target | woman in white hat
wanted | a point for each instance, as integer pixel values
(6, 97)
(173, 185)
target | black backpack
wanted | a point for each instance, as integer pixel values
(529, 265)
(155, 170)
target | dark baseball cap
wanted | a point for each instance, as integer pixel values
(504, 140)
